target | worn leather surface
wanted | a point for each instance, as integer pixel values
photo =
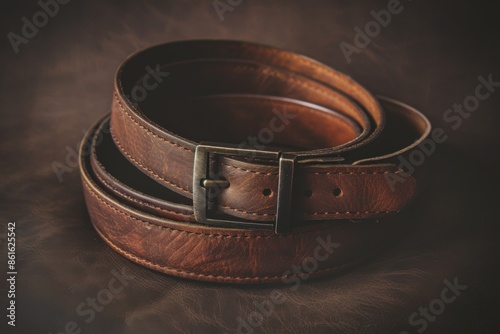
(438, 51)
(154, 230)
(250, 76)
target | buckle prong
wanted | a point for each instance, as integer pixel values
(211, 183)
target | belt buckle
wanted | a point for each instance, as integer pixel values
(203, 181)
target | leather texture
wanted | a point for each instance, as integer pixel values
(137, 166)
(61, 82)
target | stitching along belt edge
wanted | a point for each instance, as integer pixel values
(235, 162)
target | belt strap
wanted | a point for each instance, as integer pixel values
(232, 161)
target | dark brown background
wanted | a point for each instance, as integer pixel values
(60, 82)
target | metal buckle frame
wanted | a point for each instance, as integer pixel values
(203, 181)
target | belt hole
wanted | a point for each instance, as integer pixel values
(267, 192)
(308, 192)
(337, 192)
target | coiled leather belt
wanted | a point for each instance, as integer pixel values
(236, 162)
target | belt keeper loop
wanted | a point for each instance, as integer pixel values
(283, 223)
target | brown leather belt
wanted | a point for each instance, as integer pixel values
(236, 162)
